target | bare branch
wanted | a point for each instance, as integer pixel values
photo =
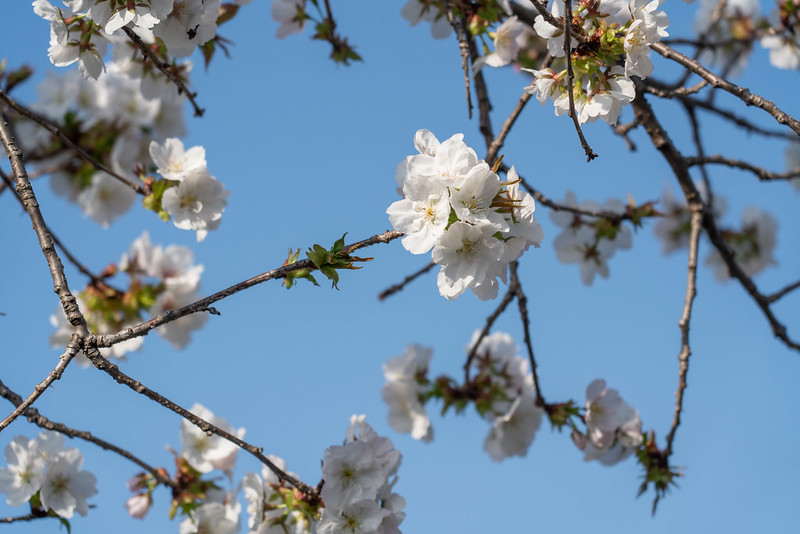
(113, 371)
(33, 415)
(204, 304)
(522, 302)
(762, 174)
(696, 209)
(740, 92)
(507, 298)
(497, 144)
(663, 144)
(399, 287)
(783, 292)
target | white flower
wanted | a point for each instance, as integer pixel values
(553, 34)
(187, 26)
(508, 39)
(196, 203)
(613, 428)
(648, 27)
(496, 357)
(204, 452)
(784, 52)
(752, 247)
(351, 473)
(175, 163)
(422, 215)
(178, 332)
(209, 518)
(291, 16)
(406, 413)
(472, 199)
(512, 433)
(66, 487)
(362, 517)
(415, 11)
(469, 256)
(25, 472)
(105, 199)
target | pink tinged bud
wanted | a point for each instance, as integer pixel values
(139, 505)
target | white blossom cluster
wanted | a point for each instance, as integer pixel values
(175, 281)
(82, 30)
(206, 452)
(198, 200)
(514, 413)
(402, 392)
(582, 242)
(114, 110)
(456, 205)
(177, 277)
(218, 515)
(43, 466)
(359, 478)
(600, 86)
(613, 428)
(507, 398)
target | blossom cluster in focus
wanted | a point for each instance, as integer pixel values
(458, 207)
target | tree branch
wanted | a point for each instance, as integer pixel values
(121, 378)
(204, 304)
(165, 69)
(56, 131)
(696, 209)
(399, 287)
(33, 415)
(740, 92)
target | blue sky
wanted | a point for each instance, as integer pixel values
(308, 150)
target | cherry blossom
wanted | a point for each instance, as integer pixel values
(206, 453)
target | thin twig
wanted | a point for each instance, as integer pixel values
(399, 287)
(60, 285)
(663, 144)
(740, 92)
(762, 174)
(113, 371)
(29, 517)
(165, 69)
(696, 209)
(738, 121)
(56, 131)
(168, 316)
(464, 48)
(33, 415)
(497, 144)
(72, 349)
(590, 155)
(522, 303)
(783, 292)
(507, 298)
